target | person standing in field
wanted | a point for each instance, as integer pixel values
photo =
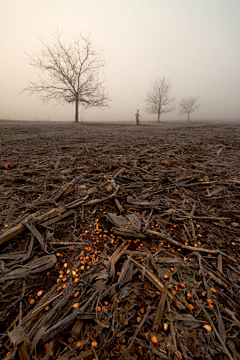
(137, 117)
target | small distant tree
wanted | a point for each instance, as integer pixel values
(158, 98)
(189, 105)
(72, 74)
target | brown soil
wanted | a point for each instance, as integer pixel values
(130, 205)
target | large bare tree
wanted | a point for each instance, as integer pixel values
(73, 73)
(158, 98)
(188, 105)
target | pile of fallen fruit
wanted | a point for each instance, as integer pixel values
(119, 242)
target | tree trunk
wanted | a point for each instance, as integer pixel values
(76, 110)
(158, 117)
(188, 116)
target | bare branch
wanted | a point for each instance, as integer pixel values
(158, 99)
(188, 105)
(72, 73)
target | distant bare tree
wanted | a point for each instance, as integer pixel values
(73, 73)
(188, 105)
(158, 99)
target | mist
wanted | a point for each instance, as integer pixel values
(194, 43)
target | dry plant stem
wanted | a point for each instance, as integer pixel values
(158, 284)
(58, 218)
(121, 278)
(76, 203)
(136, 253)
(193, 230)
(182, 299)
(165, 184)
(193, 209)
(209, 251)
(219, 281)
(36, 331)
(172, 331)
(213, 327)
(33, 267)
(22, 351)
(98, 201)
(9, 215)
(160, 354)
(139, 328)
(187, 231)
(66, 188)
(183, 348)
(147, 221)
(46, 303)
(18, 229)
(11, 233)
(117, 254)
(202, 272)
(190, 216)
(220, 263)
(95, 353)
(83, 355)
(70, 243)
(159, 313)
(121, 209)
(62, 324)
(49, 350)
(29, 318)
(237, 182)
(30, 249)
(36, 233)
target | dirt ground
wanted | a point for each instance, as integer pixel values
(181, 180)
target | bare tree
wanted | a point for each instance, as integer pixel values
(188, 105)
(73, 74)
(158, 99)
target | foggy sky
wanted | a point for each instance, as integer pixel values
(196, 43)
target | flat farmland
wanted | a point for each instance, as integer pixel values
(119, 241)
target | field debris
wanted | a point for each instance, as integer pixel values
(119, 242)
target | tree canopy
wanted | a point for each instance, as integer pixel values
(73, 73)
(158, 98)
(188, 105)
